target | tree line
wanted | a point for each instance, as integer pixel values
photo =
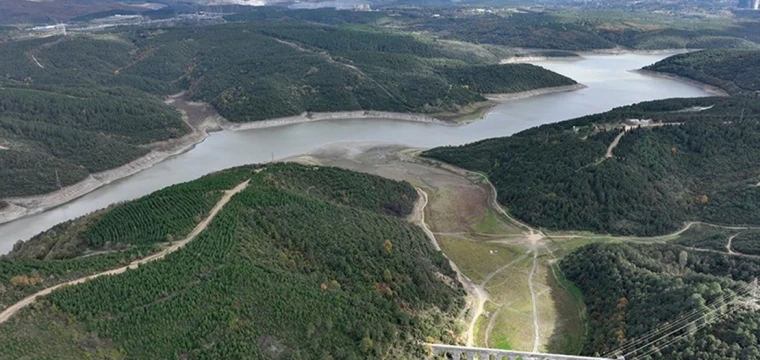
(305, 263)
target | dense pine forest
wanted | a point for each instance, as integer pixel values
(693, 159)
(293, 67)
(585, 30)
(737, 71)
(631, 290)
(307, 263)
(72, 106)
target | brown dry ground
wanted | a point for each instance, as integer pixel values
(490, 249)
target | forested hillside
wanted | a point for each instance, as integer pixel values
(632, 290)
(304, 263)
(65, 113)
(518, 30)
(585, 30)
(293, 67)
(696, 159)
(737, 72)
(75, 105)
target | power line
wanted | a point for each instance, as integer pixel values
(679, 324)
(656, 332)
(705, 315)
(654, 342)
(675, 339)
(683, 318)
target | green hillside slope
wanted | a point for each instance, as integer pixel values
(583, 30)
(737, 71)
(75, 105)
(304, 263)
(634, 291)
(700, 161)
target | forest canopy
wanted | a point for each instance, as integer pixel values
(735, 71)
(679, 160)
(633, 290)
(306, 263)
(73, 106)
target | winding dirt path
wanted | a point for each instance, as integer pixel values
(13, 309)
(627, 128)
(536, 336)
(534, 236)
(730, 227)
(721, 252)
(615, 143)
(728, 245)
(493, 273)
(480, 296)
(36, 61)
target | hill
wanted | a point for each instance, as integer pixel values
(305, 262)
(691, 159)
(584, 30)
(736, 71)
(632, 291)
(76, 105)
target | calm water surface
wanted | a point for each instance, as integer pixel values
(610, 84)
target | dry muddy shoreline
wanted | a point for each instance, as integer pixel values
(530, 59)
(202, 119)
(341, 115)
(706, 87)
(532, 93)
(24, 206)
(623, 51)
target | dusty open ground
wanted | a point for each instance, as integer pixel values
(525, 305)
(519, 299)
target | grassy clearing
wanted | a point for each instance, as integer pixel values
(479, 331)
(481, 240)
(570, 332)
(513, 322)
(476, 259)
(492, 223)
(563, 246)
(503, 344)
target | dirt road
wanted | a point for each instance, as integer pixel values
(728, 245)
(615, 143)
(536, 335)
(480, 296)
(13, 309)
(37, 62)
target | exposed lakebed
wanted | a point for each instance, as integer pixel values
(608, 77)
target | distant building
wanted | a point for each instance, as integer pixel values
(48, 30)
(639, 122)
